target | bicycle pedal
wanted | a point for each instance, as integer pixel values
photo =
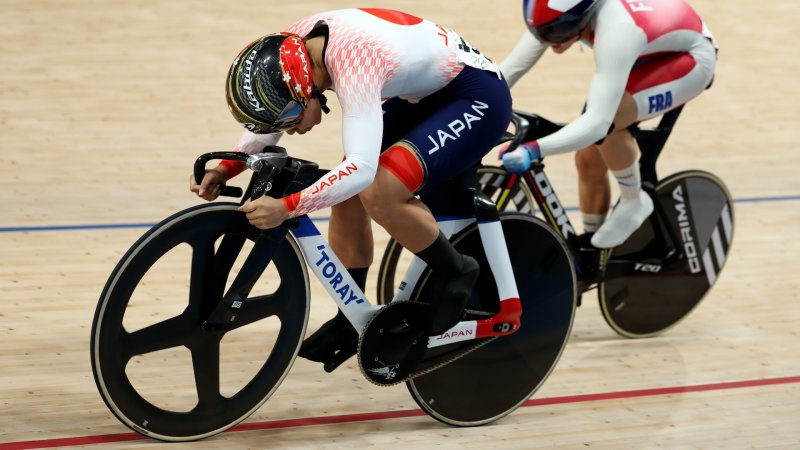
(393, 342)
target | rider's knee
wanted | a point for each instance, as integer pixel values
(386, 195)
(590, 163)
(377, 205)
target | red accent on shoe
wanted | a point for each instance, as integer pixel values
(510, 312)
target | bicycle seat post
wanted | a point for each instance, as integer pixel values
(651, 142)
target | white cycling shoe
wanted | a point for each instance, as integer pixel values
(626, 218)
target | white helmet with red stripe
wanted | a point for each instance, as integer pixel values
(558, 21)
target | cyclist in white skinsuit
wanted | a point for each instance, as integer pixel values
(651, 56)
(419, 107)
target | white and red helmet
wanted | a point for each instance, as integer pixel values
(557, 21)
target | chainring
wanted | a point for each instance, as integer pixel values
(393, 348)
(393, 342)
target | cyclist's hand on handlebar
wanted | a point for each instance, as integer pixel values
(519, 160)
(265, 212)
(209, 188)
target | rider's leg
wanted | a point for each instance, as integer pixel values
(393, 206)
(336, 340)
(350, 238)
(428, 143)
(654, 87)
(594, 193)
(621, 153)
(350, 233)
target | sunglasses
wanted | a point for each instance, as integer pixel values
(292, 113)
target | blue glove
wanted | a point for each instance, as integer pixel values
(520, 159)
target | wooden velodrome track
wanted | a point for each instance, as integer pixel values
(105, 105)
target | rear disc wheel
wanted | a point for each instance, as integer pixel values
(496, 378)
(660, 292)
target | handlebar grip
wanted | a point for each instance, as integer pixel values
(200, 163)
(521, 126)
(200, 170)
(231, 191)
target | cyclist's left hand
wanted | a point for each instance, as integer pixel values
(520, 159)
(265, 212)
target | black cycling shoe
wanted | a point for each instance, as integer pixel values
(588, 259)
(334, 343)
(447, 308)
(586, 240)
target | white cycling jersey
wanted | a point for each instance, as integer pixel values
(626, 33)
(372, 55)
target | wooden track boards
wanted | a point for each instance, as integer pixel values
(104, 106)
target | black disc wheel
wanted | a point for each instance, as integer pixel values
(495, 182)
(663, 271)
(161, 364)
(495, 379)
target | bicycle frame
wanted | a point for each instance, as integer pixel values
(651, 142)
(228, 251)
(341, 287)
(358, 309)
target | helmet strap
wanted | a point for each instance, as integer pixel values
(323, 101)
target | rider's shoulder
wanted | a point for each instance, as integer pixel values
(615, 17)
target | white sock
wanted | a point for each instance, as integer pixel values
(630, 182)
(591, 222)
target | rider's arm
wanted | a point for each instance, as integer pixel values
(362, 130)
(616, 48)
(249, 143)
(524, 55)
(362, 141)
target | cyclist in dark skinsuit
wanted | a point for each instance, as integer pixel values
(651, 56)
(419, 107)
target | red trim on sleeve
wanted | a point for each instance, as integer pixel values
(291, 201)
(234, 167)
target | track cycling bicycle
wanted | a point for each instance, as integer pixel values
(239, 277)
(661, 273)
